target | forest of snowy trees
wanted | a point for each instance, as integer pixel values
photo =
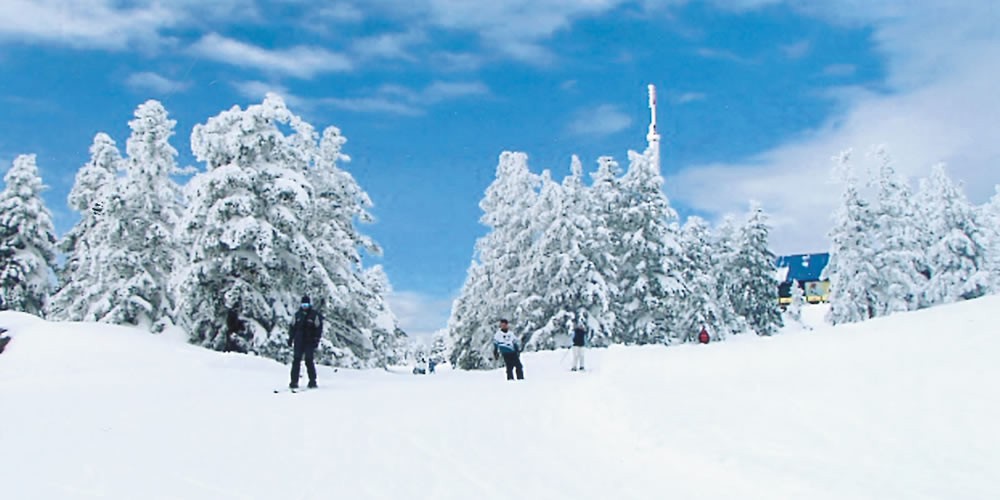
(893, 250)
(270, 218)
(611, 255)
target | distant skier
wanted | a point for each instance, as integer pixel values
(507, 345)
(304, 336)
(579, 341)
(703, 336)
(3, 340)
(234, 330)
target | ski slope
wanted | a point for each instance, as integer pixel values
(904, 407)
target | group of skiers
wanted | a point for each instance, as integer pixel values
(507, 345)
(307, 330)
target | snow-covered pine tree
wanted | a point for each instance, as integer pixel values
(728, 276)
(80, 277)
(647, 254)
(605, 215)
(246, 225)
(27, 240)
(899, 241)
(566, 277)
(471, 325)
(440, 350)
(495, 285)
(957, 259)
(990, 218)
(798, 301)
(144, 221)
(851, 268)
(699, 298)
(358, 317)
(754, 265)
(388, 342)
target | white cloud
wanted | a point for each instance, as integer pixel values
(445, 91)
(940, 106)
(388, 99)
(341, 12)
(256, 90)
(299, 61)
(388, 45)
(839, 70)
(513, 28)
(371, 105)
(797, 50)
(420, 315)
(605, 119)
(99, 24)
(456, 61)
(151, 82)
(722, 55)
(687, 97)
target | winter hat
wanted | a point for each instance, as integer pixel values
(305, 299)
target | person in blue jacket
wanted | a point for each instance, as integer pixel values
(507, 345)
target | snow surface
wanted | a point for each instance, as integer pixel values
(902, 407)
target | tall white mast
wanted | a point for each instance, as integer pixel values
(653, 137)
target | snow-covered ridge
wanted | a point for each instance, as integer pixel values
(900, 407)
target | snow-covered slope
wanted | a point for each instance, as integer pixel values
(904, 407)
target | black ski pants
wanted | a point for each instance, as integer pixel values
(512, 361)
(300, 352)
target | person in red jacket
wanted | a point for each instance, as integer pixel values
(703, 336)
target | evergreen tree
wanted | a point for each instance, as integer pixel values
(80, 277)
(27, 240)
(605, 200)
(358, 316)
(851, 268)
(495, 286)
(471, 325)
(729, 279)
(899, 251)
(699, 303)
(958, 258)
(990, 218)
(245, 226)
(568, 283)
(758, 283)
(797, 303)
(143, 222)
(647, 253)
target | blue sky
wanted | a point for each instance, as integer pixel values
(755, 96)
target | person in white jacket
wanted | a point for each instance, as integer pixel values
(507, 345)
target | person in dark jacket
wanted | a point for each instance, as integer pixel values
(508, 346)
(234, 330)
(579, 341)
(304, 336)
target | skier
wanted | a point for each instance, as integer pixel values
(304, 337)
(234, 330)
(3, 340)
(507, 345)
(579, 341)
(703, 336)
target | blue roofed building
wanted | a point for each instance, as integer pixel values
(807, 269)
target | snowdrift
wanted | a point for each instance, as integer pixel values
(903, 407)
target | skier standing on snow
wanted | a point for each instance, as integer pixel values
(507, 345)
(304, 337)
(579, 341)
